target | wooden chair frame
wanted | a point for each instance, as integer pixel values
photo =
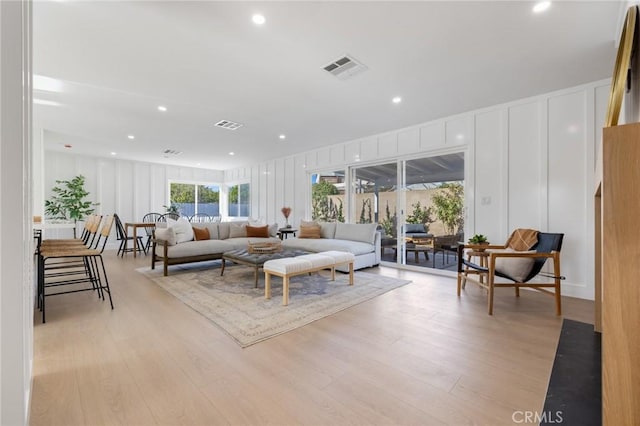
(484, 275)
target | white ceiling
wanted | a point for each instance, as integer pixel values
(206, 61)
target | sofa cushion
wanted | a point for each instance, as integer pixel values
(327, 229)
(364, 232)
(200, 234)
(212, 228)
(309, 231)
(414, 227)
(237, 230)
(199, 248)
(257, 231)
(182, 228)
(166, 234)
(327, 244)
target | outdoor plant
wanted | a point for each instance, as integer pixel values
(420, 215)
(448, 203)
(68, 201)
(388, 224)
(322, 207)
(478, 239)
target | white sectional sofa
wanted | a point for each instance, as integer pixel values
(176, 245)
(360, 239)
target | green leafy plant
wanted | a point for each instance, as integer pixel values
(421, 215)
(448, 204)
(68, 200)
(388, 224)
(478, 239)
(172, 208)
(323, 208)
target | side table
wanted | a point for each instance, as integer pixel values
(283, 233)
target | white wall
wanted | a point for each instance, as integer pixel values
(129, 188)
(529, 163)
(16, 234)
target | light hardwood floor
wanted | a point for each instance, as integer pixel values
(415, 355)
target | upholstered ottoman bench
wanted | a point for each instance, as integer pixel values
(308, 263)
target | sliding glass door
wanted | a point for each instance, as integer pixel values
(434, 210)
(419, 205)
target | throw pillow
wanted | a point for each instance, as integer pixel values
(523, 239)
(166, 234)
(517, 268)
(182, 228)
(201, 233)
(257, 231)
(257, 222)
(273, 230)
(309, 231)
(237, 231)
(414, 227)
(308, 223)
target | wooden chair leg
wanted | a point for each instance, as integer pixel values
(267, 285)
(351, 273)
(517, 287)
(556, 272)
(490, 279)
(459, 283)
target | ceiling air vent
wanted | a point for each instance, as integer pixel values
(345, 67)
(168, 152)
(229, 125)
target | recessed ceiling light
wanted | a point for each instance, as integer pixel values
(541, 6)
(197, 164)
(282, 136)
(162, 108)
(113, 153)
(131, 136)
(232, 153)
(396, 100)
(258, 19)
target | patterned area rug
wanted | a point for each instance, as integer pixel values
(233, 304)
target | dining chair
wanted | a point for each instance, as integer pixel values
(151, 218)
(121, 235)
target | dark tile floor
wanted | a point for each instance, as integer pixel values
(574, 395)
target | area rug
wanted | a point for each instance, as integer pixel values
(233, 304)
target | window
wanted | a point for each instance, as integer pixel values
(239, 203)
(192, 198)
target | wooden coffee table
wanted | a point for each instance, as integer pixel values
(256, 260)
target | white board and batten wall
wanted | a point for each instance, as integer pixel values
(129, 188)
(528, 164)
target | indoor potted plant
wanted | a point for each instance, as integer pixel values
(479, 240)
(68, 201)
